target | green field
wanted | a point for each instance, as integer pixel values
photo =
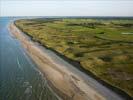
(102, 46)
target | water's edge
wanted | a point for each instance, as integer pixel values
(49, 86)
(20, 78)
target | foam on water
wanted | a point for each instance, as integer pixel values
(20, 78)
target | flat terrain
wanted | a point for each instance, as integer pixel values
(102, 46)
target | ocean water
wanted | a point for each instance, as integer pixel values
(19, 77)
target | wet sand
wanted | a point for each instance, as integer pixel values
(20, 78)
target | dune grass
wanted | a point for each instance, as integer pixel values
(99, 45)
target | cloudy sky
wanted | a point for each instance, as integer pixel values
(66, 7)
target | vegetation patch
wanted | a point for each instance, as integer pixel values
(97, 44)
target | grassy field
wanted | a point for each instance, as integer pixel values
(102, 46)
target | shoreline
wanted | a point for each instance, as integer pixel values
(68, 84)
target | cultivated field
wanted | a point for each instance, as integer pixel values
(102, 46)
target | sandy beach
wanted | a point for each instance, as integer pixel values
(65, 80)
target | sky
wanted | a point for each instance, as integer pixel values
(66, 7)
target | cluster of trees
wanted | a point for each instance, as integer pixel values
(86, 24)
(45, 20)
(125, 24)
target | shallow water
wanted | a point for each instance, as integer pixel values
(19, 77)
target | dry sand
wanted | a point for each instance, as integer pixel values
(64, 81)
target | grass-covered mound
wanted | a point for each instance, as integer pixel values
(102, 46)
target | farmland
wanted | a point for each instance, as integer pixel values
(103, 47)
